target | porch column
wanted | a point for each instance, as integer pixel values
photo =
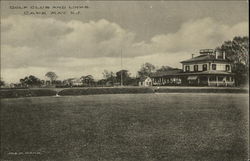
(208, 81)
(198, 79)
(225, 78)
(217, 81)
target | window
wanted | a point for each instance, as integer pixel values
(212, 78)
(220, 78)
(195, 68)
(187, 68)
(227, 67)
(213, 66)
(204, 67)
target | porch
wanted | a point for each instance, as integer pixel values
(166, 81)
(210, 80)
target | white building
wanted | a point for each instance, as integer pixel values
(145, 81)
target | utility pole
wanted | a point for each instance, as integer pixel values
(121, 70)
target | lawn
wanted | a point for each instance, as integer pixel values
(126, 127)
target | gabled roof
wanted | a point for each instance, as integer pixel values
(166, 73)
(143, 79)
(204, 58)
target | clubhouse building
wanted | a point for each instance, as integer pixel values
(210, 68)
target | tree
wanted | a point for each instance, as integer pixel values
(52, 76)
(123, 76)
(109, 77)
(30, 81)
(106, 74)
(89, 80)
(146, 70)
(22, 82)
(2, 83)
(237, 51)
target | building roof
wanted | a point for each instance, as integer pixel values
(166, 73)
(204, 58)
(207, 73)
(143, 79)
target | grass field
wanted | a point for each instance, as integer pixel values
(126, 127)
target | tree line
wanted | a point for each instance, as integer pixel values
(237, 51)
(110, 78)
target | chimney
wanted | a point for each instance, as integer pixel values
(224, 55)
(192, 55)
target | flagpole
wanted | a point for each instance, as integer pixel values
(121, 70)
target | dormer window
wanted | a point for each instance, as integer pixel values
(213, 66)
(195, 68)
(187, 68)
(204, 67)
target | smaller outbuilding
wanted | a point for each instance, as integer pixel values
(145, 81)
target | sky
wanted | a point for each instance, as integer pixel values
(74, 45)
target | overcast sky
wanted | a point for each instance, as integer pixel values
(161, 32)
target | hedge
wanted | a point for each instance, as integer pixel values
(201, 90)
(92, 91)
(15, 93)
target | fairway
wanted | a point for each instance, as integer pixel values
(126, 127)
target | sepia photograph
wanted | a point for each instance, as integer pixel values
(135, 80)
